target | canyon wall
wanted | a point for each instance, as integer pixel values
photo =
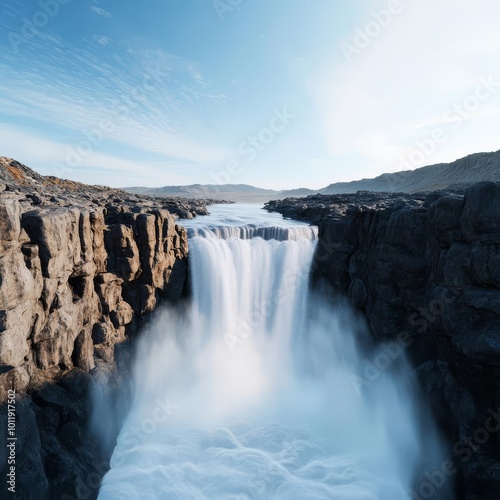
(425, 271)
(81, 268)
(75, 281)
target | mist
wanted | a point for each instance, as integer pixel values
(252, 390)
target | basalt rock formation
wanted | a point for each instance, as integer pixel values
(80, 268)
(426, 268)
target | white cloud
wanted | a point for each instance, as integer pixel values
(141, 93)
(100, 12)
(196, 75)
(49, 158)
(398, 89)
(101, 39)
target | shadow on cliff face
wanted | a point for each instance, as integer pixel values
(57, 456)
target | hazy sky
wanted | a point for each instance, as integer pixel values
(275, 93)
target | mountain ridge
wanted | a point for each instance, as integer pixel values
(470, 169)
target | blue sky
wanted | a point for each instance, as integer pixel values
(279, 94)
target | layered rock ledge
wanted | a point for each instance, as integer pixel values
(426, 265)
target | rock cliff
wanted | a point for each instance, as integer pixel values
(426, 268)
(80, 268)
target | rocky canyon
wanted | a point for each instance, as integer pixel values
(83, 267)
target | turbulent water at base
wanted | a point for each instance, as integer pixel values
(249, 391)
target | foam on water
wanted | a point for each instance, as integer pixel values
(248, 392)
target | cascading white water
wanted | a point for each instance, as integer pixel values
(248, 393)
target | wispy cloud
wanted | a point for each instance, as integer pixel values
(195, 73)
(45, 155)
(100, 12)
(153, 99)
(101, 39)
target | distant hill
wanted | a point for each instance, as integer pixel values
(473, 168)
(234, 192)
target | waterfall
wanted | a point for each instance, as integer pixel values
(249, 231)
(250, 392)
